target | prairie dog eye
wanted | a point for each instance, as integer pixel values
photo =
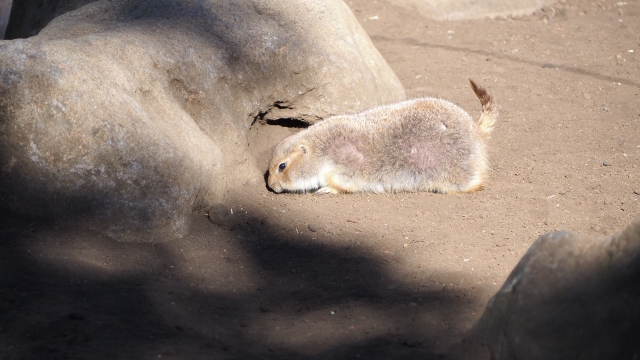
(281, 167)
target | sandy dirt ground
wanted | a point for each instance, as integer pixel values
(402, 276)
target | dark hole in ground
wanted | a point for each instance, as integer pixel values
(290, 123)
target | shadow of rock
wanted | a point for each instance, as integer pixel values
(250, 293)
(29, 17)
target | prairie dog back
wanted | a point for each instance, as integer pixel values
(424, 144)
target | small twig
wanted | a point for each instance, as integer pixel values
(463, 215)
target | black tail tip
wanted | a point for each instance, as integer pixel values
(480, 92)
(474, 86)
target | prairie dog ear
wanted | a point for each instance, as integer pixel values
(304, 148)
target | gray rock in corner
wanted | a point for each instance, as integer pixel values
(132, 114)
(570, 297)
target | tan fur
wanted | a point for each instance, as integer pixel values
(423, 144)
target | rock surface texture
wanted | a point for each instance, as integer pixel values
(570, 297)
(133, 114)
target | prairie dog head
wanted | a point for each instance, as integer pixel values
(294, 166)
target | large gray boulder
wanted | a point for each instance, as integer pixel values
(132, 114)
(570, 297)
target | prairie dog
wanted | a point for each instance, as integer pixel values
(424, 144)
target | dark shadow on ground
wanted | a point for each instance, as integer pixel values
(72, 293)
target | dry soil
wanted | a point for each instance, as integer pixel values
(402, 276)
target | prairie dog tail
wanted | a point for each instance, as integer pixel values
(489, 111)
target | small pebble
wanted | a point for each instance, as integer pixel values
(221, 215)
(312, 228)
(76, 316)
(637, 192)
(412, 343)
(606, 163)
(169, 353)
